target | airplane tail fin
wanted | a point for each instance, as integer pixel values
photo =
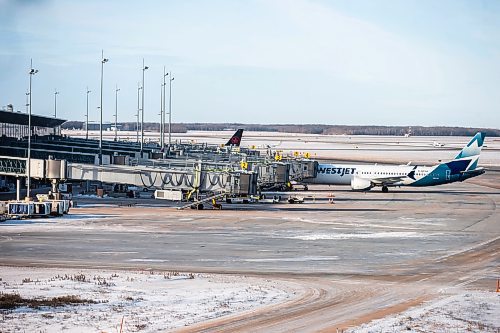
(474, 146)
(236, 138)
(469, 155)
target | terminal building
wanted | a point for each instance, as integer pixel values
(15, 124)
(48, 143)
(196, 171)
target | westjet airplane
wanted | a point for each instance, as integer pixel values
(365, 177)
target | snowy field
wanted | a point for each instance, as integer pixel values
(146, 301)
(469, 311)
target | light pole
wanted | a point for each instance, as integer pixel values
(28, 164)
(87, 122)
(138, 110)
(164, 109)
(55, 102)
(161, 118)
(116, 112)
(142, 108)
(27, 101)
(103, 60)
(170, 111)
(55, 106)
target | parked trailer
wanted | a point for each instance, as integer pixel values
(240, 200)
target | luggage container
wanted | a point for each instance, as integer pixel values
(20, 209)
(269, 199)
(239, 200)
(67, 205)
(57, 207)
(169, 195)
(3, 208)
(41, 209)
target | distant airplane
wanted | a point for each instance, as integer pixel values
(365, 177)
(274, 146)
(236, 138)
(437, 144)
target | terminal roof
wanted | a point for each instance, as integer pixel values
(18, 118)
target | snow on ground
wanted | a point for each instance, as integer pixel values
(147, 301)
(338, 236)
(468, 311)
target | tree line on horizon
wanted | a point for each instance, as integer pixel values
(307, 129)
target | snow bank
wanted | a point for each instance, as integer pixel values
(147, 301)
(471, 311)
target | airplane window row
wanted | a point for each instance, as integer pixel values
(382, 173)
(389, 173)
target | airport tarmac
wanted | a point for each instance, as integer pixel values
(365, 256)
(361, 233)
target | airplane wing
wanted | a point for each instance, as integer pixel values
(387, 180)
(391, 180)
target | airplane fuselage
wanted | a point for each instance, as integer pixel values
(401, 175)
(364, 176)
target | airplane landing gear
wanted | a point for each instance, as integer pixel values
(385, 189)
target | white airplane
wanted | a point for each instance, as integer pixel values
(365, 177)
(437, 144)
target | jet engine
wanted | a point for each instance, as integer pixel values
(361, 184)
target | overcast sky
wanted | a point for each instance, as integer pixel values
(259, 61)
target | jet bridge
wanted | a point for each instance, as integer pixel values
(43, 169)
(193, 177)
(272, 174)
(275, 175)
(12, 166)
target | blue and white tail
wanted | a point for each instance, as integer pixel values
(474, 146)
(472, 151)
